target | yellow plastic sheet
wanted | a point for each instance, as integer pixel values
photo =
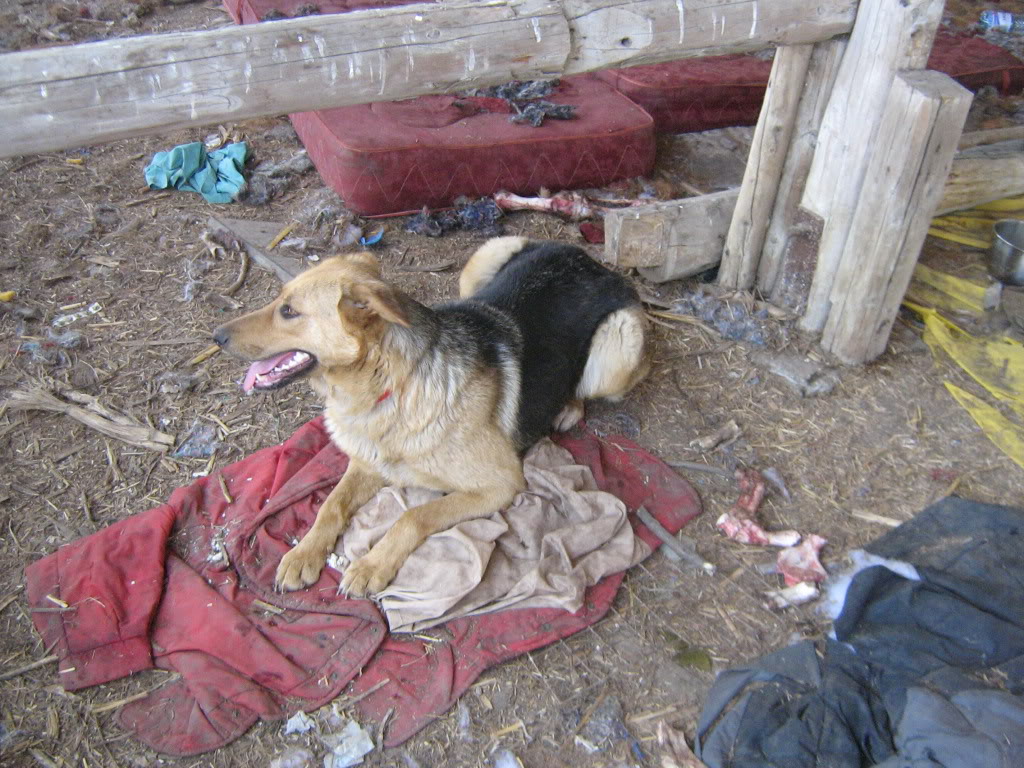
(974, 227)
(953, 294)
(1006, 435)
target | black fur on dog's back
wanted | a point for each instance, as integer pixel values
(557, 296)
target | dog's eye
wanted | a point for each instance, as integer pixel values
(287, 312)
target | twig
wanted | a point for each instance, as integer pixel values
(280, 236)
(243, 271)
(94, 415)
(440, 267)
(367, 692)
(697, 467)
(672, 542)
(10, 598)
(28, 667)
(224, 490)
(205, 355)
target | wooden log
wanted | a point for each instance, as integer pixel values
(921, 124)
(672, 239)
(993, 136)
(64, 97)
(821, 75)
(691, 232)
(983, 174)
(763, 170)
(889, 36)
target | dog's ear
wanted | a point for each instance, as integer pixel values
(374, 298)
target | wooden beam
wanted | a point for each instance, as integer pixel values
(56, 98)
(921, 123)
(679, 238)
(889, 36)
(983, 174)
(672, 239)
(772, 280)
(763, 170)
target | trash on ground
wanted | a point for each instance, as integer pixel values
(50, 351)
(733, 320)
(526, 101)
(592, 231)
(6, 296)
(773, 476)
(348, 746)
(255, 237)
(798, 594)
(800, 563)
(300, 722)
(675, 549)
(217, 175)
(739, 523)
(94, 415)
(676, 753)
(604, 726)
(949, 293)
(806, 377)
(60, 321)
(294, 757)
(571, 205)
(505, 758)
(724, 435)
(373, 236)
(200, 443)
(481, 216)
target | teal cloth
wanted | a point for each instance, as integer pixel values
(217, 176)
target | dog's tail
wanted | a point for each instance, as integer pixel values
(485, 263)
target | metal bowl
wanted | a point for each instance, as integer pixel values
(1006, 259)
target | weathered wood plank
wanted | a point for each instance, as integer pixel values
(63, 97)
(672, 239)
(921, 124)
(763, 171)
(889, 36)
(983, 174)
(821, 75)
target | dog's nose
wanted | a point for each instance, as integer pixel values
(220, 336)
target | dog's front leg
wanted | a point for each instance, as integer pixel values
(375, 570)
(302, 565)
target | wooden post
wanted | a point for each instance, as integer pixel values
(66, 97)
(889, 36)
(821, 75)
(983, 174)
(763, 170)
(921, 124)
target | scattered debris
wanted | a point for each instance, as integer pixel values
(806, 377)
(7, 296)
(675, 549)
(603, 726)
(61, 321)
(175, 382)
(618, 423)
(572, 205)
(442, 266)
(255, 238)
(373, 237)
(526, 101)
(51, 350)
(773, 476)
(217, 175)
(347, 746)
(94, 415)
(739, 524)
(535, 112)
(300, 722)
(686, 655)
(293, 757)
(200, 443)
(724, 435)
(800, 563)
(298, 163)
(481, 216)
(676, 752)
(219, 559)
(505, 758)
(735, 320)
(798, 594)
(464, 721)
(592, 231)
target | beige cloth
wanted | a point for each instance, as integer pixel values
(558, 537)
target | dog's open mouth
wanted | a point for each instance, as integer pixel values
(276, 371)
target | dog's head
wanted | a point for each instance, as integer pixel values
(324, 319)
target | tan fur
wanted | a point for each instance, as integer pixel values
(445, 431)
(484, 264)
(432, 440)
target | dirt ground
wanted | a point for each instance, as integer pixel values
(79, 227)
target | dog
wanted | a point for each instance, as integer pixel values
(447, 397)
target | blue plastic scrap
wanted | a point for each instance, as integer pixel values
(217, 175)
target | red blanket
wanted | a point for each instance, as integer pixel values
(152, 591)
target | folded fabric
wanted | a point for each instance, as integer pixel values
(217, 176)
(926, 669)
(558, 537)
(188, 586)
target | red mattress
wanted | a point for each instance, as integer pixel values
(719, 91)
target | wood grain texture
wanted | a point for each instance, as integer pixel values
(84, 94)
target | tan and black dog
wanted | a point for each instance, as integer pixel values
(446, 397)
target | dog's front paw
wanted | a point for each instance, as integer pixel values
(299, 568)
(366, 577)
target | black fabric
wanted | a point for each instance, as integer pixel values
(921, 673)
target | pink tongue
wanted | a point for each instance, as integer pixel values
(262, 366)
